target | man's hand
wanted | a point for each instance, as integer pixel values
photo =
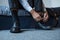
(45, 17)
(36, 15)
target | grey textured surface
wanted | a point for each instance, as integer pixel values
(31, 35)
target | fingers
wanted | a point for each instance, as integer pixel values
(45, 18)
(36, 16)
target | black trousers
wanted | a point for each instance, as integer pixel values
(54, 14)
(52, 11)
(15, 17)
(14, 7)
(38, 4)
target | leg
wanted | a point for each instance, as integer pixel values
(38, 5)
(14, 10)
(16, 25)
(39, 8)
(53, 13)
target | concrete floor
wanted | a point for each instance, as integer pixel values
(31, 34)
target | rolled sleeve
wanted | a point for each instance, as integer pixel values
(26, 5)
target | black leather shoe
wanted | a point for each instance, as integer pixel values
(49, 25)
(15, 30)
(44, 27)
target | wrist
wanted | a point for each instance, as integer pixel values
(32, 11)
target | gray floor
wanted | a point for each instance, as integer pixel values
(31, 34)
